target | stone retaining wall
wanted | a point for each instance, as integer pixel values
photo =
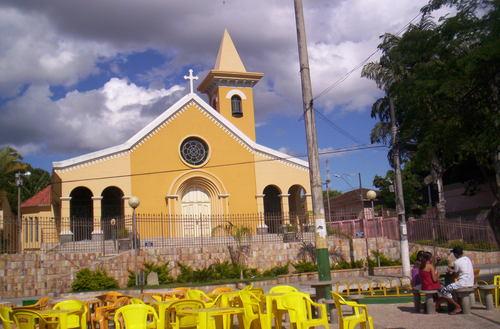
(35, 274)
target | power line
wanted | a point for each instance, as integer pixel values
(340, 150)
(336, 127)
(358, 66)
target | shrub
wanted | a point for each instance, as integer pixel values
(384, 260)
(304, 266)
(276, 270)
(344, 265)
(162, 269)
(88, 280)
(214, 272)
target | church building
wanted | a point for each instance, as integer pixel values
(196, 158)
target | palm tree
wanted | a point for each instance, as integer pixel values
(10, 161)
(240, 234)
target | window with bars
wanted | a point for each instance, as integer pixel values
(236, 108)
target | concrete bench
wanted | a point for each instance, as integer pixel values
(488, 290)
(464, 298)
(430, 308)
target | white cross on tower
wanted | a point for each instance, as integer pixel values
(191, 79)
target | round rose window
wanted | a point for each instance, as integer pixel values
(194, 151)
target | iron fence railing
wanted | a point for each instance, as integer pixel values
(112, 235)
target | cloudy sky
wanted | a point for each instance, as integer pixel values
(78, 76)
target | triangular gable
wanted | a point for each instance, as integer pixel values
(144, 132)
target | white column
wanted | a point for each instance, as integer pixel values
(65, 234)
(171, 204)
(285, 208)
(261, 226)
(96, 205)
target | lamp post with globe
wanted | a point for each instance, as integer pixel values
(372, 195)
(19, 183)
(134, 202)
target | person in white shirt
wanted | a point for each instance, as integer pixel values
(463, 268)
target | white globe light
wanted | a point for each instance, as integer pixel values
(371, 195)
(134, 202)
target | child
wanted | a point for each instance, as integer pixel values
(415, 271)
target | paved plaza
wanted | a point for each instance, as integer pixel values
(401, 316)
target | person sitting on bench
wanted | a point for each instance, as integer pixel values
(428, 273)
(463, 268)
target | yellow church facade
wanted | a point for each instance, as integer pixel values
(196, 158)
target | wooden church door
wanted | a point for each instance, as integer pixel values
(196, 209)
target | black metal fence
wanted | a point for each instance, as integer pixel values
(112, 235)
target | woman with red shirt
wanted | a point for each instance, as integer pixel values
(429, 276)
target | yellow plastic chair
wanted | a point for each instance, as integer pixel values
(198, 294)
(136, 301)
(103, 314)
(136, 316)
(78, 317)
(41, 304)
(6, 317)
(282, 289)
(30, 319)
(179, 292)
(110, 297)
(252, 311)
(496, 282)
(359, 314)
(179, 322)
(219, 290)
(299, 306)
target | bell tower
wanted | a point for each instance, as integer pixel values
(230, 87)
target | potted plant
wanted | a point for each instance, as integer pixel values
(290, 233)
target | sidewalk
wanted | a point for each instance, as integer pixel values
(401, 316)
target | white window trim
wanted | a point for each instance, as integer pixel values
(233, 92)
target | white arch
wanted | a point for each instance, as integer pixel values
(233, 92)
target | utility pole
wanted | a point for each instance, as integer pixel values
(400, 203)
(361, 197)
(312, 150)
(327, 183)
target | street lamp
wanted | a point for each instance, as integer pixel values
(19, 182)
(372, 195)
(134, 202)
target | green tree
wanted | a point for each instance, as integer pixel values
(332, 194)
(443, 79)
(10, 163)
(412, 187)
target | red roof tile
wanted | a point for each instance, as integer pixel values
(42, 198)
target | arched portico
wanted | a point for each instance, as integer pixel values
(112, 206)
(297, 204)
(272, 208)
(81, 213)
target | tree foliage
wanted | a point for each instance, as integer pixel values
(10, 163)
(443, 78)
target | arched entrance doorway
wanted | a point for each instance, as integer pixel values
(112, 207)
(272, 209)
(196, 208)
(297, 204)
(81, 212)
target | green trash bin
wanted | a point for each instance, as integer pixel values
(28, 302)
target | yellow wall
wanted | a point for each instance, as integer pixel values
(92, 175)
(247, 122)
(160, 155)
(280, 174)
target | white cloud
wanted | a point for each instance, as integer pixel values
(62, 43)
(82, 120)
